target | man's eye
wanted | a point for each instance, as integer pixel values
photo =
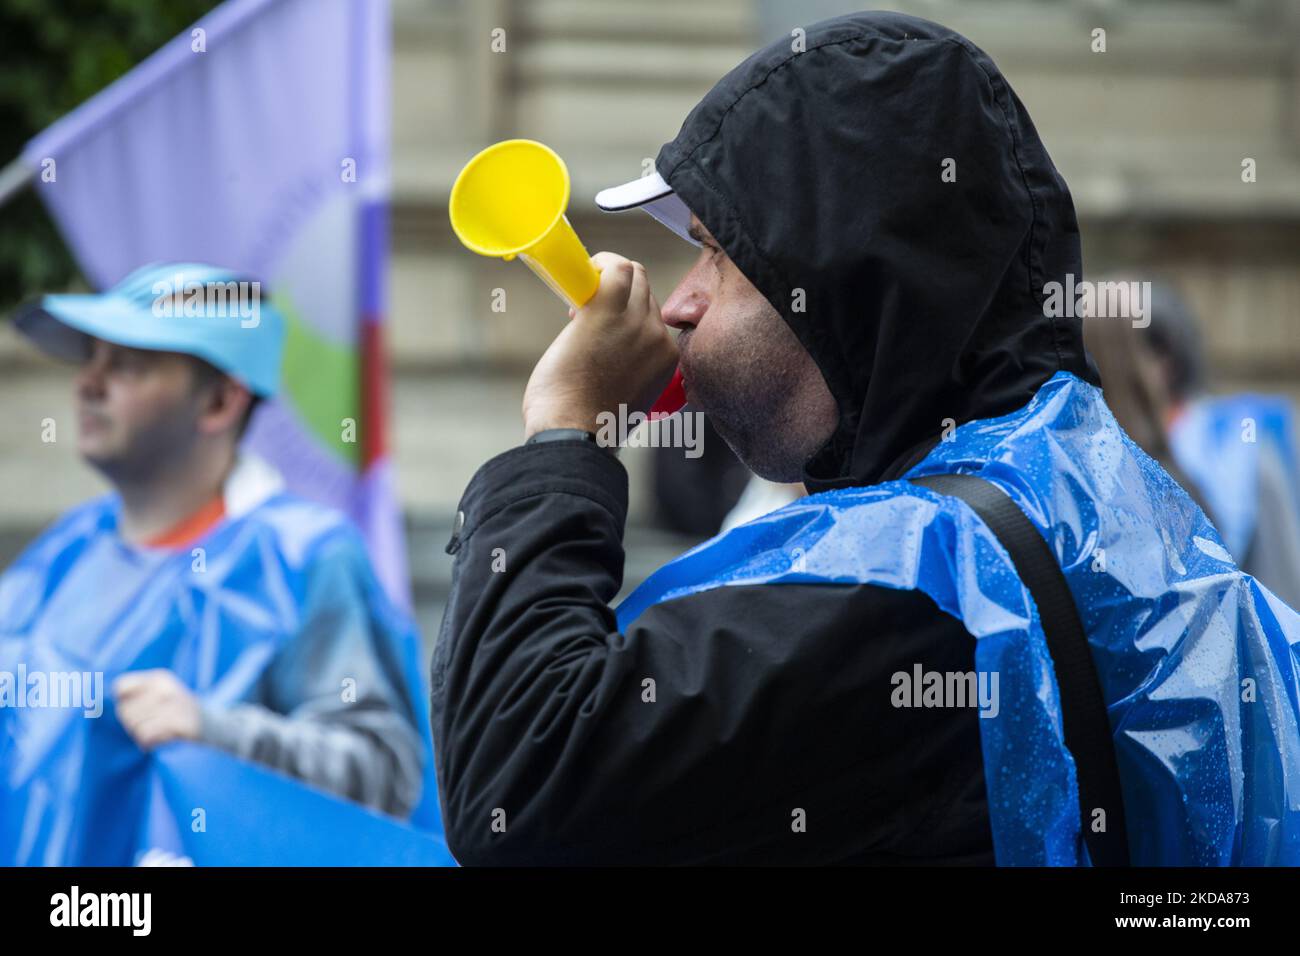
(125, 362)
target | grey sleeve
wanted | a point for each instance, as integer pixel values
(1274, 553)
(332, 708)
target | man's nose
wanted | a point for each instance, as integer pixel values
(684, 308)
(89, 379)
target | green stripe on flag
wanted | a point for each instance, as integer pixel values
(322, 381)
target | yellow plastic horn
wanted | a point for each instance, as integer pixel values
(509, 201)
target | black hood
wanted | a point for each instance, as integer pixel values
(922, 299)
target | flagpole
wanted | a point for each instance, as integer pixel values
(14, 178)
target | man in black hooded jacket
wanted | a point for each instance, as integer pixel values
(877, 218)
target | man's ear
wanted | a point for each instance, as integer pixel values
(225, 404)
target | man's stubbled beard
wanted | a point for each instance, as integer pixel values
(754, 390)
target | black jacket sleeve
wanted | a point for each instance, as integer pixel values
(738, 725)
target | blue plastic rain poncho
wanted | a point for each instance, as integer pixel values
(1197, 660)
(79, 607)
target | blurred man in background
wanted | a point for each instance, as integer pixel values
(1239, 451)
(1137, 391)
(220, 608)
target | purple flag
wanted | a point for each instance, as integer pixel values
(258, 141)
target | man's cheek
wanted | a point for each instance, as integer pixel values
(145, 413)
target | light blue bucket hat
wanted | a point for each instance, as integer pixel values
(218, 315)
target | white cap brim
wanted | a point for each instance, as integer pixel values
(653, 195)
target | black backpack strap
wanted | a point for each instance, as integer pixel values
(1083, 708)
